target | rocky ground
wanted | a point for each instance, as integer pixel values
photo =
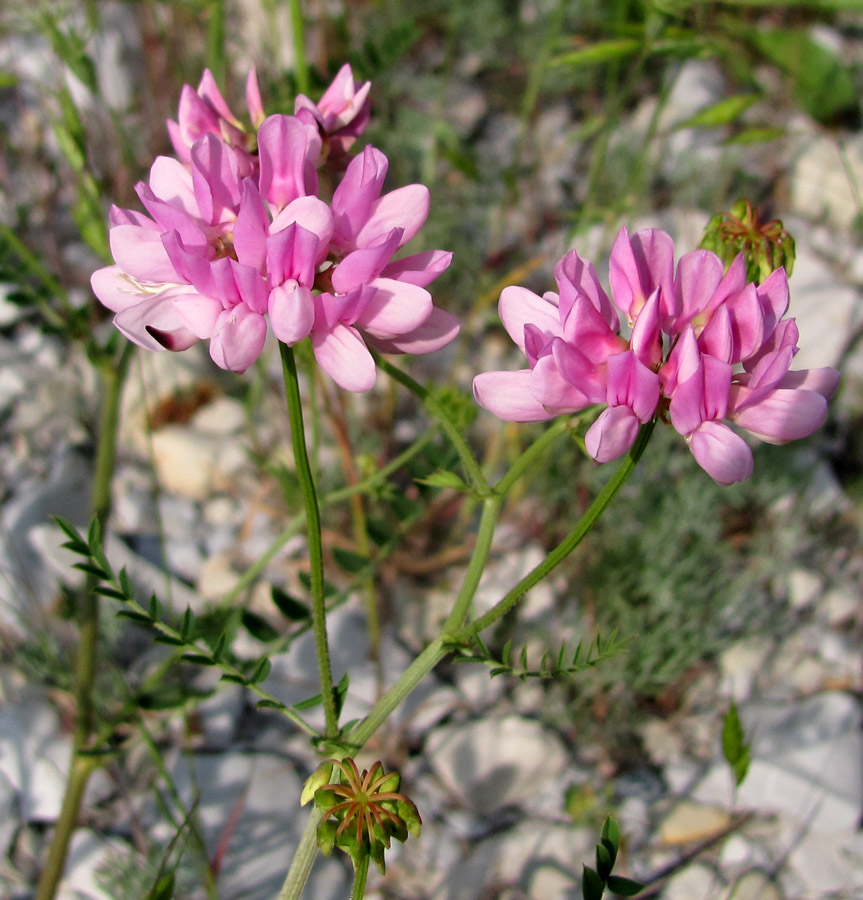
(512, 791)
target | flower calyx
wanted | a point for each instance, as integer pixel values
(361, 812)
(766, 246)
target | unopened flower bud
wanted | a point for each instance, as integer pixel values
(765, 246)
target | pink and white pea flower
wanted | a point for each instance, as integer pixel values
(705, 344)
(341, 114)
(204, 111)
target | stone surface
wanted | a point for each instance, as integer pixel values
(490, 764)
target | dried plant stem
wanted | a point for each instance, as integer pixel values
(87, 613)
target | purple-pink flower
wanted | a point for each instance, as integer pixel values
(234, 241)
(704, 347)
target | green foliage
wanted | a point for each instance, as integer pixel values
(735, 749)
(553, 664)
(595, 881)
(215, 652)
(821, 83)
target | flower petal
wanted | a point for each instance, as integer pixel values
(612, 434)
(724, 455)
(343, 355)
(292, 312)
(509, 396)
(239, 338)
(782, 415)
(435, 332)
(395, 308)
(406, 208)
(518, 307)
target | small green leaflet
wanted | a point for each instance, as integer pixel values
(734, 747)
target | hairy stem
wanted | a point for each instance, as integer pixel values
(361, 871)
(304, 858)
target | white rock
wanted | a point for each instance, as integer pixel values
(87, 852)
(829, 863)
(804, 587)
(223, 416)
(741, 664)
(34, 754)
(753, 885)
(493, 763)
(542, 860)
(820, 184)
(695, 881)
(185, 461)
(841, 605)
(826, 309)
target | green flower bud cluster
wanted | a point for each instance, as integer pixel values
(765, 246)
(361, 813)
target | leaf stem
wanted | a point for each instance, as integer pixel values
(313, 520)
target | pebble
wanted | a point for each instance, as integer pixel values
(689, 822)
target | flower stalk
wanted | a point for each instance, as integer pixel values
(313, 522)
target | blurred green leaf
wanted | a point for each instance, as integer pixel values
(722, 113)
(289, 606)
(349, 561)
(601, 52)
(624, 887)
(756, 135)
(592, 886)
(823, 86)
(734, 747)
(258, 627)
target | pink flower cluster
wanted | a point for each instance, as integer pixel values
(704, 346)
(235, 235)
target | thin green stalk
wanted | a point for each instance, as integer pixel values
(216, 40)
(87, 614)
(299, 39)
(301, 864)
(487, 523)
(451, 430)
(393, 698)
(361, 871)
(313, 520)
(568, 544)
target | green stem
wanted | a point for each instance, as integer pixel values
(301, 865)
(568, 544)
(313, 520)
(216, 41)
(361, 871)
(471, 466)
(487, 523)
(87, 613)
(299, 39)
